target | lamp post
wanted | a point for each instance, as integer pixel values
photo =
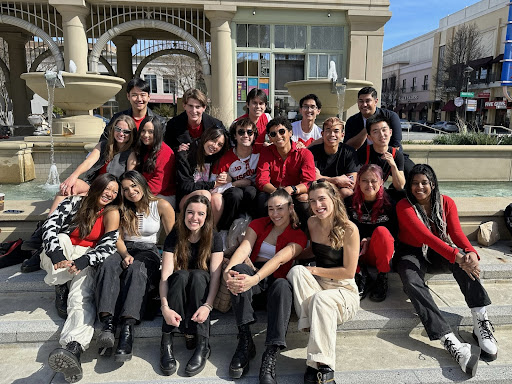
(467, 72)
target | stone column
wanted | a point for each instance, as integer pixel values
(74, 13)
(124, 46)
(17, 65)
(366, 37)
(222, 80)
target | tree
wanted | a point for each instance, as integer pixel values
(453, 60)
(391, 92)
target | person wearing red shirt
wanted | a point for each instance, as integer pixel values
(284, 165)
(155, 160)
(256, 106)
(273, 242)
(432, 241)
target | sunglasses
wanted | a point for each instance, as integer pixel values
(281, 132)
(123, 131)
(242, 132)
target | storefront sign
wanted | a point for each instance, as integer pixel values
(471, 105)
(496, 104)
(410, 97)
(483, 95)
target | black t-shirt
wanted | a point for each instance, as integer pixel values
(340, 163)
(364, 223)
(375, 158)
(172, 239)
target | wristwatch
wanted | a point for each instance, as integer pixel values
(294, 189)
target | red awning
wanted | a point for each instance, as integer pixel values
(398, 108)
(409, 107)
(162, 99)
(449, 106)
(420, 107)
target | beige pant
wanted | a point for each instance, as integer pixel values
(79, 325)
(321, 304)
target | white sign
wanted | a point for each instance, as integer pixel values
(458, 101)
(496, 104)
(471, 105)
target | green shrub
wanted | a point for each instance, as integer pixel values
(471, 138)
(164, 110)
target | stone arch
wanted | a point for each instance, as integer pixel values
(147, 23)
(163, 52)
(52, 46)
(39, 59)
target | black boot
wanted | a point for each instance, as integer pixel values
(190, 341)
(34, 263)
(61, 300)
(245, 351)
(311, 375)
(363, 282)
(167, 360)
(107, 336)
(36, 239)
(67, 361)
(201, 354)
(268, 365)
(380, 289)
(325, 375)
(124, 346)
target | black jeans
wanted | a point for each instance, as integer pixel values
(124, 292)
(188, 290)
(412, 267)
(276, 294)
(301, 208)
(237, 200)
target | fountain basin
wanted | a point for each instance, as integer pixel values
(323, 88)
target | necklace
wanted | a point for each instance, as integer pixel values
(368, 211)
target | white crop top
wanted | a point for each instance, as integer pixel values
(148, 225)
(267, 251)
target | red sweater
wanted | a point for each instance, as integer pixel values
(414, 233)
(161, 180)
(262, 227)
(298, 167)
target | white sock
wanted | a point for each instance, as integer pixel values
(480, 310)
(450, 336)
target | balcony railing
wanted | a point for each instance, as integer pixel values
(403, 90)
(424, 87)
(413, 88)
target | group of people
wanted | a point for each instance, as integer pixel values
(322, 220)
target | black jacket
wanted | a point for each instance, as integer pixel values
(176, 132)
(106, 131)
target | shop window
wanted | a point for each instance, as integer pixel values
(290, 36)
(253, 35)
(327, 38)
(319, 65)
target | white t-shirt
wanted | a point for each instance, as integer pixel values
(305, 138)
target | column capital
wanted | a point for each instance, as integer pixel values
(69, 9)
(16, 37)
(364, 22)
(124, 41)
(220, 15)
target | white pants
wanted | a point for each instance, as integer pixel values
(79, 325)
(321, 304)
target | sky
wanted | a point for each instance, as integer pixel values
(413, 18)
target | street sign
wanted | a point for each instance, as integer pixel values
(467, 94)
(458, 101)
(471, 105)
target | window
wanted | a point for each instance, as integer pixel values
(253, 35)
(327, 38)
(169, 86)
(425, 82)
(151, 80)
(319, 65)
(384, 85)
(290, 36)
(404, 85)
(413, 88)
(392, 81)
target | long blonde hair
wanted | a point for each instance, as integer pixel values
(339, 216)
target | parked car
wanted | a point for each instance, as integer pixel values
(419, 125)
(446, 126)
(405, 124)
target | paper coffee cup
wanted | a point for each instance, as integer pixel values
(2, 198)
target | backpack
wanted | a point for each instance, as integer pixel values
(11, 253)
(508, 217)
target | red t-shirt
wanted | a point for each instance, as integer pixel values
(197, 131)
(92, 238)
(162, 180)
(138, 121)
(262, 227)
(298, 167)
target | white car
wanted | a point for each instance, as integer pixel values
(405, 124)
(446, 126)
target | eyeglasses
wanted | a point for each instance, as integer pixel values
(123, 131)
(281, 132)
(309, 107)
(242, 132)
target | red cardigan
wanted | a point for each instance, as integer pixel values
(161, 180)
(262, 227)
(414, 233)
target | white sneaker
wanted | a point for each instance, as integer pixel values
(465, 354)
(483, 333)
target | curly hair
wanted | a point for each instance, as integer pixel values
(383, 200)
(182, 253)
(142, 150)
(339, 216)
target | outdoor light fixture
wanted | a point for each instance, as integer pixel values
(254, 12)
(328, 14)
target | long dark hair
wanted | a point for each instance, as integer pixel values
(436, 206)
(281, 192)
(182, 252)
(339, 216)
(141, 149)
(129, 221)
(211, 134)
(88, 212)
(383, 200)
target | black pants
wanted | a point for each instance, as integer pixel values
(188, 290)
(276, 294)
(301, 208)
(237, 200)
(124, 292)
(412, 267)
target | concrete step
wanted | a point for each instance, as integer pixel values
(376, 356)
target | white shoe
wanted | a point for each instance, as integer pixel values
(465, 354)
(483, 333)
